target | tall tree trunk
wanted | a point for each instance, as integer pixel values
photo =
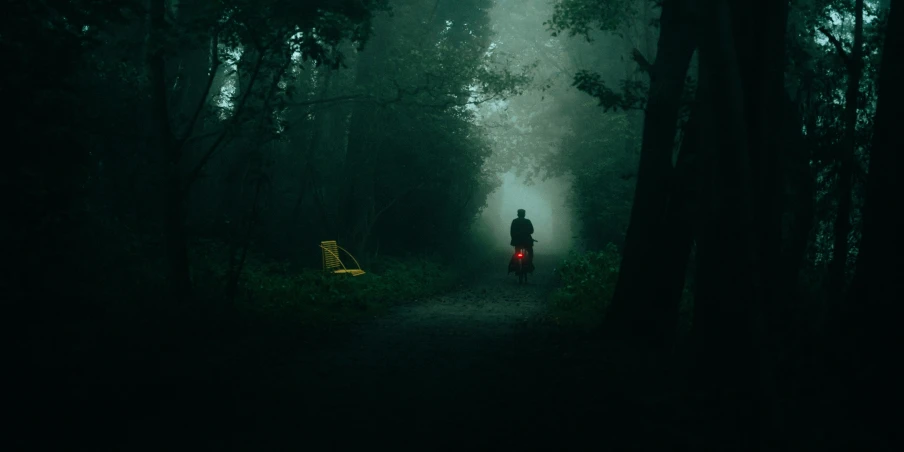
(724, 289)
(800, 197)
(678, 236)
(189, 67)
(328, 127)
(359, 199)
(875, 309)
(738, 243)
(174, 209)
(846, 161)
(634, 311)
(239, 252)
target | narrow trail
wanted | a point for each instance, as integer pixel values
(437, 367)
(470, 369)
(475, 369)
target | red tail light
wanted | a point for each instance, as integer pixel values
(520, 255)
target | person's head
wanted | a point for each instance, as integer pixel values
(520, 213)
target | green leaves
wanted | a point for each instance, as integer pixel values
(587, 284)
(582, 17)
(632, 95)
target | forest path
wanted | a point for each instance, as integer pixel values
(439, 365)
(476, 368)
(470, 369)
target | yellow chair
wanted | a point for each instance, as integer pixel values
(333, 263)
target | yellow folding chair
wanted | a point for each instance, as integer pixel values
(332, 262)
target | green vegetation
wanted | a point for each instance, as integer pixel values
(313, 298)
(586, 286)
(269, 291)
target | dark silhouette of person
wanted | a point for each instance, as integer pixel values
(521, 231)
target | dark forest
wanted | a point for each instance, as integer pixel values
(296, 224)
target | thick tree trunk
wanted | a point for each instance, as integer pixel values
(724, 295)
(359, 199)
(678, 237)
(738, 243)
(800, 192)
(874, 307)
(190, 63)
(635, 308)
(328, 128)
(174, 209)
(360, 177)
(846, 161)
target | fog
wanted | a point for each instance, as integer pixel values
(527, 130)
(545, 205)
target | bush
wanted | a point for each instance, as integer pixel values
(314, 298)
(587, 283)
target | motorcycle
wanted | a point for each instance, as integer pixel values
(522, 264)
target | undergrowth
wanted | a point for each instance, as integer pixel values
(311, 297)
(587, 282)
(586, 285)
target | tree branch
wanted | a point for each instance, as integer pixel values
(401, 94)
(326, 100)
(214, 65)
(274, 85)
(837, 44)
(196, 171)
(203, 135)
(642, 61)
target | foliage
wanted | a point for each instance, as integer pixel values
(310, 299)
(259, 96)
(580, 17)
(359, 154)
(556, 131)
(598, 153)
(315, 299)
(631, 97)
(587, 283)
(612, 17)
(816, 79)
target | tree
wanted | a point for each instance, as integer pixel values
(871, 320)
(637, 306)
(268, 34)
(426, 67)
(854, 65)
(739, 229)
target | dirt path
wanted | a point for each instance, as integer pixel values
(437, 365)
(473, 369)
(470, 369)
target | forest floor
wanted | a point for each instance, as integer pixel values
(478, 368)
(482, 367)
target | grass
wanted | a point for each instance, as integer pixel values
(313, 298)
